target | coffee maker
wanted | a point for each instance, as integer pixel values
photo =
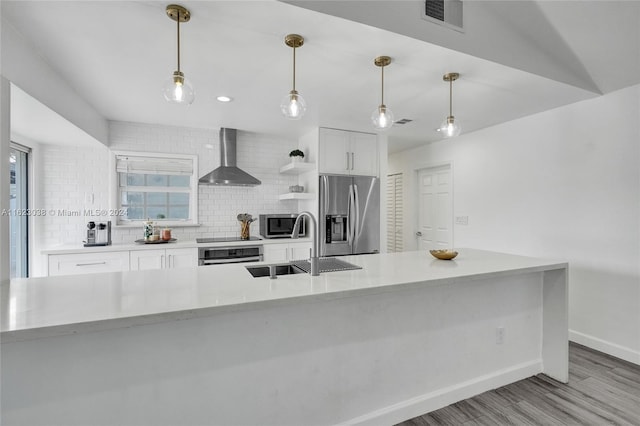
(98, 234)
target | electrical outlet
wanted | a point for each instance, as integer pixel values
(501, 334)
(462, 220)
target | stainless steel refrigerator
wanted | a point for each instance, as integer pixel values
(349, 216)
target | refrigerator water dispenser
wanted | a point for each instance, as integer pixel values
(336, 229)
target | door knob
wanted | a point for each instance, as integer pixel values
(418, 234)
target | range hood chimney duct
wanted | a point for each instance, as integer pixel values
(228, 173)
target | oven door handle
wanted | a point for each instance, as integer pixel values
(235, 260)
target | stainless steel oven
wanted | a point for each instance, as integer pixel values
(230, 254)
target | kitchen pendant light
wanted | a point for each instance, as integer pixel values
(293, 105)
(178, 89)
(450, 128)
(382, 117)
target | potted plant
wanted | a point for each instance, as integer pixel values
(296, 156)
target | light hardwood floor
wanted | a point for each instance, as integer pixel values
(602, 390)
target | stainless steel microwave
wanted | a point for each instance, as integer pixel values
(280, 225)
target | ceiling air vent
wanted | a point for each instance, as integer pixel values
(403, 121)
(444, 12)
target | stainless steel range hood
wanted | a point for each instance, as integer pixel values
(228, 173)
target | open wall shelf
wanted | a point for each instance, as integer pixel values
(297, 196)
(297, 168)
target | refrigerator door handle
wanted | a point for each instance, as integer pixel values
(325, 201)
(357, 230)
(354, 215)
(350, 223)
(349, 217)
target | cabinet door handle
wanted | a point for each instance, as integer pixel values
(353, 161)
(90, 264)
(347, 168)
(171, 261)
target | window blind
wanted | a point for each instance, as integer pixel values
(153, 165)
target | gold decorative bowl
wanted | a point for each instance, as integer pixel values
(443, 254)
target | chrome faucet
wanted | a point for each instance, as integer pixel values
(315, 248)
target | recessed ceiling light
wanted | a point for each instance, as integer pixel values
(224, 99)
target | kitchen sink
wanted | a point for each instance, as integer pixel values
(281, 269)
(326, 264)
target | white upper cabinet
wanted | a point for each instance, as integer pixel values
(364, 154)
(347, 153)
(334, 152)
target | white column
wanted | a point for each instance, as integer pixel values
(383, 167)
(5, 102)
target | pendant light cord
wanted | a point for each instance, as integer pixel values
(294, 68)
(382, 85)
(178, 22)
(451, 98)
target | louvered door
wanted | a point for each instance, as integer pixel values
(395, 215)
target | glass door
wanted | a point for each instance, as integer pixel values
(18, 203)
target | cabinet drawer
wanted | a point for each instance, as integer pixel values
(88, 263)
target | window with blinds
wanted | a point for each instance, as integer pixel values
(160, 187)
(395, 216)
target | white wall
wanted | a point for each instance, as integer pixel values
(68, 174)
(5, 98)
(564, 184)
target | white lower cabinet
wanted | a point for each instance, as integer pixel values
(88, 263)
(163, 259)
(299, 251)
(286, 252)
(182, 257)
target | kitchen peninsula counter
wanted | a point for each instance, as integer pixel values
(79, 248)
(405, 333)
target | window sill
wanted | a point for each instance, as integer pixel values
(163, 225)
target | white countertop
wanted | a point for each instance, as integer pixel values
(79, 248)
(50, 306)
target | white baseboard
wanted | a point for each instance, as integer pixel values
(431, 401)
(609, 348)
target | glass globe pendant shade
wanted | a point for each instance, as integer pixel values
(293, 106)
(382, 118)
(179, 90)
(450, 128)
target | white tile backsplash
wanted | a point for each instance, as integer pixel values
(70, 176)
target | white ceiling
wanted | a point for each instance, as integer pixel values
(118, 55)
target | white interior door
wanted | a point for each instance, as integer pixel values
(395, 215)
(435, 220)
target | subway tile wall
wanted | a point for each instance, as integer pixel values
(65, 176)
(77, 180)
